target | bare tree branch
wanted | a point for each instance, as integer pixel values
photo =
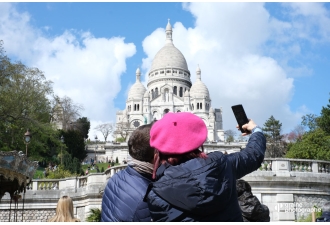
(106, 129)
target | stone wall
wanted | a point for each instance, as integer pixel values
(35, 215)
(308, 202)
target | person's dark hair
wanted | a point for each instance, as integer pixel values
(139, 144)
(176, 159)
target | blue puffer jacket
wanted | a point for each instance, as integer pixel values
(204, 189)
(123, 197)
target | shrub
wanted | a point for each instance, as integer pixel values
(94, 215)
(59, 173)
(120, 139)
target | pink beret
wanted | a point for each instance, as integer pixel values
(178, 133)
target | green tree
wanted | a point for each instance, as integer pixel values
(83, 125)
(24, 104)
(314, 145)
(310, 121)
(324, 120)
(75, 144)
(272, 131)
(71, 164)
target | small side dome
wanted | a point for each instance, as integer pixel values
(199, 89)
(186, 94)
(137, 91)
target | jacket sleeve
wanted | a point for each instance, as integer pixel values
(250, 158)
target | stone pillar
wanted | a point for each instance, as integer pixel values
(315, 167)
(281, 167)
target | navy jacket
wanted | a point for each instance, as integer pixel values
(123, 197)
(204, 189)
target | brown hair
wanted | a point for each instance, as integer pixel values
(139, 144)
(175, 159)
(64, 211)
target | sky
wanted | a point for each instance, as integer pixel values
(273, 58)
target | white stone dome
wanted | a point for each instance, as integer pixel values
(137, 91)
(199, 89)
(169, 56)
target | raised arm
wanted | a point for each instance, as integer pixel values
(250, 158)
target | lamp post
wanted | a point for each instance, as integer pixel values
(95, 146)
(62, 140)
(27, 139)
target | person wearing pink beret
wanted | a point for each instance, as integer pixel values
(190, 185)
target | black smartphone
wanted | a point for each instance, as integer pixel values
(241, 117)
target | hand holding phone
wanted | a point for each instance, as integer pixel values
(241, 117)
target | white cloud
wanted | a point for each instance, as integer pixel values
(84, 68)
(228, 43)
(310, 21)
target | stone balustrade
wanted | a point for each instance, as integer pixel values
(277, 183)
(72, 182)
(295, 165)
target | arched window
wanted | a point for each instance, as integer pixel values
(192, 106)
(181, 90)
(175, 90)
(152, 94)
(134, 107)
(197, 105)
(166, 111)
(138, 107)
(200, 105)
(156, 92)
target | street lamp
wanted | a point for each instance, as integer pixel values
(62, 140)
(95, 146)
(27, 139)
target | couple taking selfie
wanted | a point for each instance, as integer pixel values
(170, 178)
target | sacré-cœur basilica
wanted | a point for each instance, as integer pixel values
(169, 89)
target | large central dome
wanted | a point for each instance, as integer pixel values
(169, 55)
